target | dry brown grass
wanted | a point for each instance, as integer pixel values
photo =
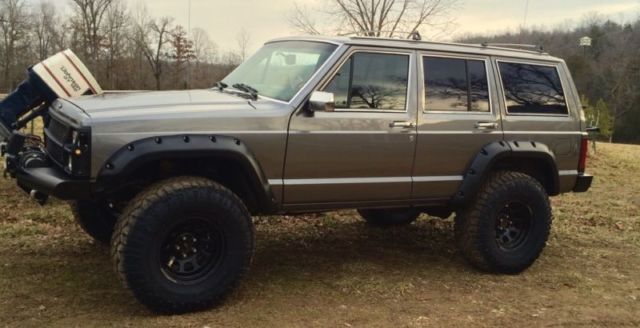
(332, 270)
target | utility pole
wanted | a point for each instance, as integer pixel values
(189, 39)
(526, 13)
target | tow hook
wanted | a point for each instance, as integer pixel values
(39, 197)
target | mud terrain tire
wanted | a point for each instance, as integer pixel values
(506, 227)
(183, 244)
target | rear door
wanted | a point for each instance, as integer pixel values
(457, 116)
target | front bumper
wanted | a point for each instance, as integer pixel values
(54, 182)
(583, 183)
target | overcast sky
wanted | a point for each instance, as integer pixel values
(266, 19)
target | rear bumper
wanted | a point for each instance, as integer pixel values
(53, 182)
(583, 183)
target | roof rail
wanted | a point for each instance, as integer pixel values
(413, 35)
(538, 48)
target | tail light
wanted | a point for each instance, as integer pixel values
(584, 149)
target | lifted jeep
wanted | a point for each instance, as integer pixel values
(393, 128)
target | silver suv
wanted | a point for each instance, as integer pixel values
(393, 128)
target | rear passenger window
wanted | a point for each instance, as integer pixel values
(532, 89)
(458, 85)
(372, 81)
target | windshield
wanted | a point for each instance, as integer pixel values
(280, 69)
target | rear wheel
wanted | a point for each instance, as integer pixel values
(183, 244)
(389, 217)
(506, 227)
(96, 218)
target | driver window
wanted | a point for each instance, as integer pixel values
(371, 81)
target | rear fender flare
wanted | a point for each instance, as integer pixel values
(491, 155)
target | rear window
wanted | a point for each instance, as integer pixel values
(532, 89)
(455, 85)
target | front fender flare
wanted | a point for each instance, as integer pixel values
(187, 146)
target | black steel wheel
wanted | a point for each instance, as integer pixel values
(192, 250)
(514, 222)
(506, 227)
(183, 244)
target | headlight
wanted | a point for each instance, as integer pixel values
(80, 152)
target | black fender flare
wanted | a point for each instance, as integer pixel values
(187, 146)
(492, 154)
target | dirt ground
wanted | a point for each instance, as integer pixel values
(332, 270)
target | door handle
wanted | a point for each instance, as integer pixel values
(486, 125)
(402, 124)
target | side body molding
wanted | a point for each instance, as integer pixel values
(187, 146)
(491, 155)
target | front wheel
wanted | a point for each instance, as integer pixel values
(506, 227)
(183, 244)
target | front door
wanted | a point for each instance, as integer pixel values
(364, 150)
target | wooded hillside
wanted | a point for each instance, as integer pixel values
(607, 74)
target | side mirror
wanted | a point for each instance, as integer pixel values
(322, 102)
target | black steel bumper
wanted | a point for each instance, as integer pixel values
(53, 182)
(583, 183)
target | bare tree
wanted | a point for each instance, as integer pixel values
(378, 18)
(204, 49)
(244, 41)
(302, 20)
(116, 27)
(44, 28)
(13, 26)
(89, 18)
(152, 40)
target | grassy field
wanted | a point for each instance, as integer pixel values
(333, 270)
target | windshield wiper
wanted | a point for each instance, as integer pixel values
(221, 85)
(248, 89)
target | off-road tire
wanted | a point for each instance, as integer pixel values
(154, 216)
(479, 227)
(97, 219)
(389, 217)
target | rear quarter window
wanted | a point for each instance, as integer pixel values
(532, 89)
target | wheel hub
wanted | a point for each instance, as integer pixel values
(513, 225)
(191, 251)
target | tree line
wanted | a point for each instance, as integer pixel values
(124, 46)
(606, 73)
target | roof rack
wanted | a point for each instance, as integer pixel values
(538, 48)
(415, 35)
